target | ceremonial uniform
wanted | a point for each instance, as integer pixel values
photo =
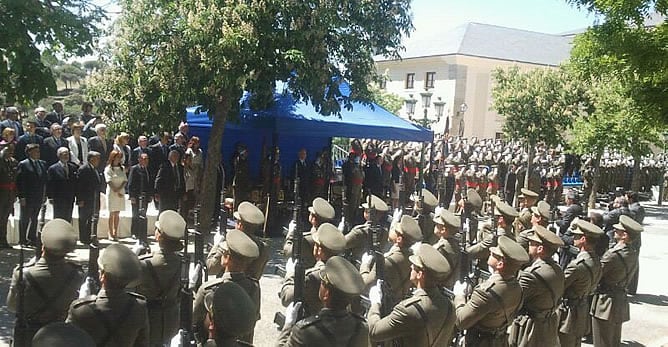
(449, 246)
(357, 240)
(487, 237)
(426, 217)
(234, 314)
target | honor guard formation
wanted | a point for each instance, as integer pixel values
(457, 242)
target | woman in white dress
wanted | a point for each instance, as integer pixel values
(114, 175)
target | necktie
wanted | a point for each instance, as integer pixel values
(104, 145)
(67, 172)
(35, 166)
(176, 175)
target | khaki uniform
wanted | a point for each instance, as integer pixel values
(486, 239)
(610, 306)
(523, 222)
(312, 303)
(426, 222)
(581, 277)
(50, 288)
(451, 250)
(397, 273)
(537, 323)
(425, 319)
(307, 247)
(113, 318)
(489, 311)
(357, 240)
(160, 285)
(327, 328)
(255, 268)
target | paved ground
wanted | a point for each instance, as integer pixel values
(649, 308)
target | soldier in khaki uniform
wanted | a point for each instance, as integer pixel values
(494, 303)
(230, 315)
(328, 242)
(357, 238)
(321, 211)
(487, 237)
(540, 215)
(425, 216)
(581, 278)
(610, 306)
(446, 225)
(115, 316)
(249, 219)
(50, 284)
(333, 325)
(239, 251)
(396, 267)
(62, 334)
(543, 286)
(159, 280)
(527, 199)
(427, 318)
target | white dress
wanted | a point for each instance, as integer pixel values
(116, 176)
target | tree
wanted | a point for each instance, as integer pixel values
(211, 51)
(65, 27)
(70, 73)
(538, 106)
(390, 101)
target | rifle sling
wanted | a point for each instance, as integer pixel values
(48, 301)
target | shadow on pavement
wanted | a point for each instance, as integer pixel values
(658, 212)
(8, 260)
(651, 299)
(632, 344)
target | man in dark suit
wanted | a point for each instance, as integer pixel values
(373, 177)
(43, 127)
(101, 144)
(301, 169)
(27, 138)
(31, 178)
(158, 154)
(88, 194)
(142, 147)
(573, 210)
(57, 115)
(179, 145)
(140, 186)
(60, 187)
(52, 143)
(170, 184)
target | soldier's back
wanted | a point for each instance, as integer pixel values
(330, 328)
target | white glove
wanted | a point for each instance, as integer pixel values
(176, 340)
(376, 293)
(290, 267)
(396, 216)
(292, 226)
(194, 273)
(465, 227)
(461, 288)
(218, 238)
(415, 247)
(137, 248)
(84, 290)
(366, 259)
(438, 210)
(291, 313)
(342, 224)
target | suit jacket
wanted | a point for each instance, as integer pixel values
(571, 212)
(74, 150)
(31, 181)
(157, 157)
(166, 182)
(95, 143)
(373, 179)
(89, 184)
(134, 156)
(23, 141)
(50, 149)
(8, 123)
(139, 180)
(61, 185)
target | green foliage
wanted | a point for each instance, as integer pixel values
(56, 27)
(390, 101)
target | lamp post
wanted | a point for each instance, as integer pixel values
(410, 106)
(462, 109)
(426, 101)
(439, 106)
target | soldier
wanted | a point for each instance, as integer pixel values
(638, 214)
(62, 334)
(527, 199)
(320, 176)
(427, 318)
(353, 178)
(543, 286)
(396, 266)
(328, 242)
(581, 277)
(239, 251)
(446, 225)
(115, 316)
(249, 219)
(539, 216)
(333, 325)
(492, 304)
(610, 306)
(487, 237)
(231, 314)
(425, 216)
(320, 212)
(357, 238)
(159, 281)
(49, 285)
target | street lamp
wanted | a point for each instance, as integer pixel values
(439, 106)
(410, 106)
(426, 101)
(462, 109)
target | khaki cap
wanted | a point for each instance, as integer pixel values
(322, 209)
(429, 198)
(119, 262)
(582, 227)
(409, 227)
(377, 203)
(447, 218)
(342, 275)
(249, 213)
(238, 242)
(234, 312)
(61, 334)
(505, 210)
(330, 237)
(473, 198)
(427, 257)
(59, 237)
(171, 224)
(629, 225)
(528, 193)
(509, 249)
(542, 209)
(541, 235)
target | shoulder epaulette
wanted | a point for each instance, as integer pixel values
(308, 321)
(84, 301)
(411, 301)
(214, 283)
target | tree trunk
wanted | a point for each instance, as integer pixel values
(635, 179)
(596, 177)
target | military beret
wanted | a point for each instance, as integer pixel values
(542, 209)
(428, 257)
(409, 227)
(61, 334)
(629, 225)
(342, 275)
(528, 193)
(582, 227)
(322, 209)
(234, 312)
(59, 237)
(429, 198)
(238, 242)
(473, 198)
(447, 218)
(543, 236)
(503, 209)
(509, 249)
(119, 262)
(171, 224)
(377, 203)
(249, 213)
(330, 237)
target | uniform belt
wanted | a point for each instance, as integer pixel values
(494, 333)
(8, 186)
(574, 301)
(319, 182)
(357, 181)
(540, 314)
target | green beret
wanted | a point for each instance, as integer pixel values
(322, 209)
(238, 242)
(447, 218)
(249, 213)
(427, 257)
(629, 225)
(528, 193)
(234, 312)
(473, 198)
(409, 227)
(342, 275)
(582, 227)
(543, 236)
(429, 198)
(171, 224)
(120, 263)
(61, 334)
(505, 210)
(59, 237)
(330, 237)
(542, 209)
(377, 203)
(509, 249)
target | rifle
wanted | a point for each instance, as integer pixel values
(464, 263)
(187, 337)
(343, 208)
(92, 283)
(375, 236)
(21, 326)
(200, 261)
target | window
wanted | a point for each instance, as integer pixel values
(429, 80)
(410, 80)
